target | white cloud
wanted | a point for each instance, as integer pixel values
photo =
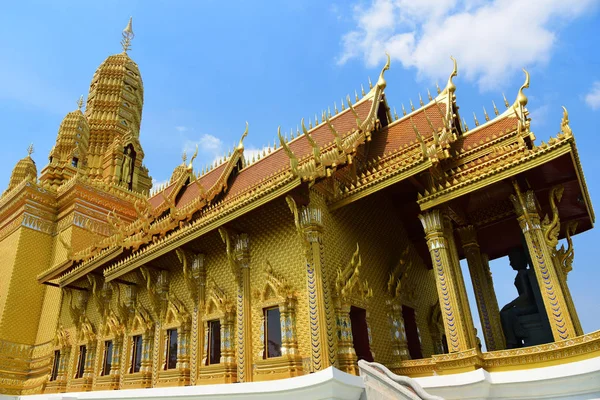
(540, 115)
(181, 128)
(593, 97)
(490, 40)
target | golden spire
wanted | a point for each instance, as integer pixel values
(475, 118)
(505, 101)
(487, 117)
(495, 108)
(128, 35)
(30, 150)
(80, 103)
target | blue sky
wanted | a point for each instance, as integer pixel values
(210, 66)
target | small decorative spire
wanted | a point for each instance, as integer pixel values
(412, 107)
(343, 105)
(495, 108)
(429, 95)
(466, 127)
(421, 100)
(184, 157)
(403, 109)
(505, 101)
(395, 114)
(80, 103)
(370, 84)
(487, 117)
(437, 87)
(356, 95)
(30, 150)
(362, 89)
(335, 108)
(128, 35)
(475, 118)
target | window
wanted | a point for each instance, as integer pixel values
(360, 333)
(412, 332)
(74, 161)
(55, 365)
(272, 333)
(107, 359)
(214, 342)
(136, 357)
(81, 362)
(171, 348)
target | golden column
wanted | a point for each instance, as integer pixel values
(455, 312)
(238, 255)
(309, 226)
(562, 259)
(487, 305)
(528, 217)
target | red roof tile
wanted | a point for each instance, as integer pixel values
(495, 127)
(207, 181)
(400, 133)
(343, 124)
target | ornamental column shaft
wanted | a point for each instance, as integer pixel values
(548, 280)
(453, 309)
(244, 313)
(487, 305)
(461, 288)
(309, 227)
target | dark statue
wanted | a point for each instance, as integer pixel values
(523, 320)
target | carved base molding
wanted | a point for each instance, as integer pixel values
(80, 385)
(278, 368)
(138, 380)
(218, 373)
(173, 377)
(348, 362)
(55, 387)
(580, 348)
(107, 382)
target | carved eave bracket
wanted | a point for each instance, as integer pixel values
(237, 249)
(194, 272)
(158, 290)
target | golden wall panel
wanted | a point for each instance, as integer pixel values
(24, 298)
(8, 252)
(375, 225)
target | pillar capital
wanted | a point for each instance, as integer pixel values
(468, 235)
(432, 221)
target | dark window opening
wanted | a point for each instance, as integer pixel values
(445, 344)
(136, 357)
(412, 332)
(360, 333)
(171, 348)
(55, 365)
(81, 362)
(214, 342)
(272, 333)
(108, 355)
(74, 161)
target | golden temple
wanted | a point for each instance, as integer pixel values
(339, 243)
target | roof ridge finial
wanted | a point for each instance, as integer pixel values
(80, 103)
(240, 146)
(128, 35)
(521, 98)
(30, 150)
(450, 87)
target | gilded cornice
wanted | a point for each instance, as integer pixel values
(495, 170)
(210, 218)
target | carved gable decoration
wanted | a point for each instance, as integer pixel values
(176, 314)
(86, 332)
(62, 338)
(275, 289)
(217, 301)
(142, 320)
(348, 283)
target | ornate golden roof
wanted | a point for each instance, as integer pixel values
(72, 139)
(25, 169)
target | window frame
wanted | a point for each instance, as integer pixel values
(81, 360)
(168, 354)
(266, 310)
(108, 344)
(209, 341)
